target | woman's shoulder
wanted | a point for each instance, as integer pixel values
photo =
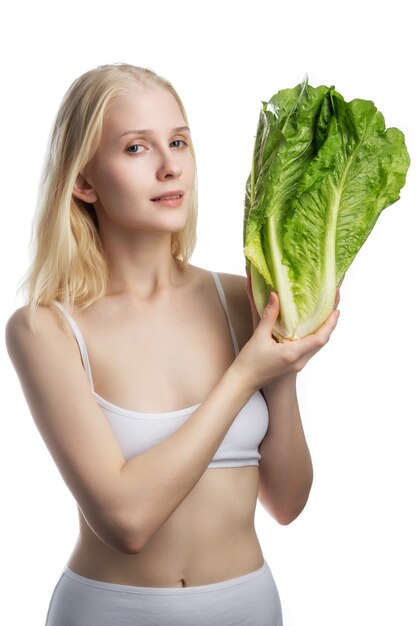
(234, 286)
(43, 322)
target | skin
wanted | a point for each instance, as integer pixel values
(159, 341)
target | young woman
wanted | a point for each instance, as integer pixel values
(119, 334)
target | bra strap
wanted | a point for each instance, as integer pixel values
(80, 340)
(222, 297)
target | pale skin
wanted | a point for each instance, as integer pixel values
(159, 341)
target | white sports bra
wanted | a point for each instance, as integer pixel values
(137, 431)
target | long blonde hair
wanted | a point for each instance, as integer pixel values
(68, 261)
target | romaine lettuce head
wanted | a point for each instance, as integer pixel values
(322, 171)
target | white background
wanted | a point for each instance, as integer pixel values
(349, 559)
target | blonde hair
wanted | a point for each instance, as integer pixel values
(68, 260)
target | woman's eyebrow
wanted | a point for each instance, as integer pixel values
(149, 132)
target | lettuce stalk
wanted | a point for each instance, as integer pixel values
(322, 171)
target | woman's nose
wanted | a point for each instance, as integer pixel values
(169, 166)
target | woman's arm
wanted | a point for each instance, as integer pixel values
(126, 502)
(286, 471)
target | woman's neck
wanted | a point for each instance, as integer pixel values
(141, 265)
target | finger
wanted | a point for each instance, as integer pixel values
(326, 329)
(270, 314)
(311, 344)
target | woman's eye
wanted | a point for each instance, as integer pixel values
(132, 150)
(135, 148)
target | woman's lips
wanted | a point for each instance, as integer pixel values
(169, 195)
(169, 202)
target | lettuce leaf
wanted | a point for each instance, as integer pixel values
(322, 171)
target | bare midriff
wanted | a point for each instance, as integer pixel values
(209, 538)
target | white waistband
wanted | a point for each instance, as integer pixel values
(246, 578)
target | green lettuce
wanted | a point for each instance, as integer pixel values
(323, 169)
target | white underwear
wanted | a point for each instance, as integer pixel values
(249, 600)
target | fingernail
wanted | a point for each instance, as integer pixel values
(271, 298)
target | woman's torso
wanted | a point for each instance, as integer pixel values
(157, 357)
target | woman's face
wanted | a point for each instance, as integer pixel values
(130, 166)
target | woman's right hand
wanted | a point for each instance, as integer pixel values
(263, 359)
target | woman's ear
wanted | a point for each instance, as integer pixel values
(83, 190)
